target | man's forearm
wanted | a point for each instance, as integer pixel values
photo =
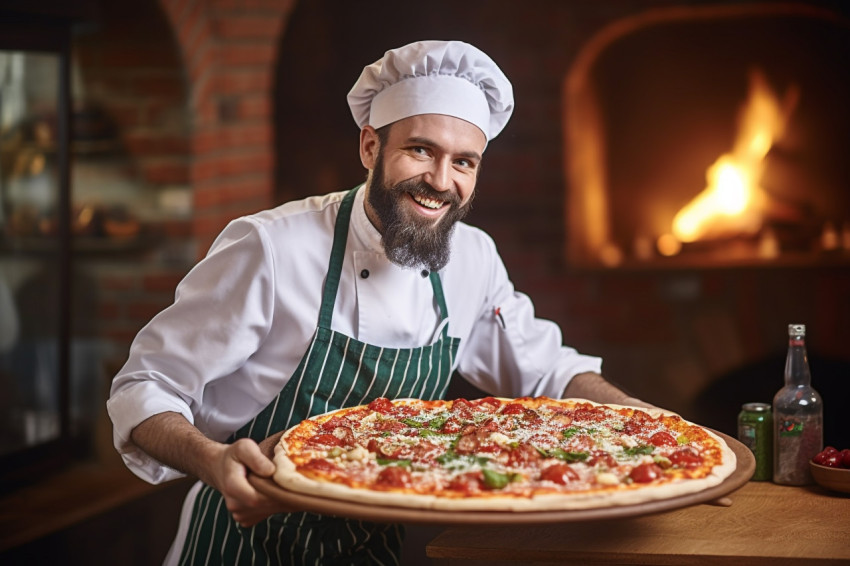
(594, 387)
(175, 442)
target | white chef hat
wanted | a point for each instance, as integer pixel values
(433, 77)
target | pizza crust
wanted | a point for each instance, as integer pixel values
(289, 478)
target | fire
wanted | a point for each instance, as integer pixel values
(733, 201)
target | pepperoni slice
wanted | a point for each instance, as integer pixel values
(467, 483)
(686, 458)
(381, 405)
(394, 476)
(662, 438)
(324, 439)
(513, 409)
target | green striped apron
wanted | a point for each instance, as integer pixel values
(336, 371)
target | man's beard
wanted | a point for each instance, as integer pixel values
(411, 240)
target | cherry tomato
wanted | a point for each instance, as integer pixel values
(559, 473)
(646, 473)
(845, 458)
(833, 460)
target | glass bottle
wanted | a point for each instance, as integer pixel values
(797, 416)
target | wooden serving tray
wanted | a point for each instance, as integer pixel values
(389, 514)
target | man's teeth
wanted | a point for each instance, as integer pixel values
(427, 202)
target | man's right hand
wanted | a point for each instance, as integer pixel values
(174, 441)
(230, 476)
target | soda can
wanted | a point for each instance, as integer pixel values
(755, 431)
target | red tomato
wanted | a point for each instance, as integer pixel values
(561, 474)
(662, 438)
(833, 459)
(646, 473)
(845, 458)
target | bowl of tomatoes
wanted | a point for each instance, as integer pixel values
(831, 469)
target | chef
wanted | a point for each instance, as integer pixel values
(333, 301)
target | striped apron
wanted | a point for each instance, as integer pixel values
(336, 371)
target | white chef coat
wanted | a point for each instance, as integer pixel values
(244, 315)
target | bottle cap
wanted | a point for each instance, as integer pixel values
(796, 330)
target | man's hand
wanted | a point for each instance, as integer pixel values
(594, 387)
(230, 476)
(175, 442)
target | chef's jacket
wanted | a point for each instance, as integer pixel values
(243, 317)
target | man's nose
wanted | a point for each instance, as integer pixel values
(440, 175)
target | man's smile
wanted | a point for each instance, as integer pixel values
(429, 206)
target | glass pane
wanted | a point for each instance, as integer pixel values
(29, 250)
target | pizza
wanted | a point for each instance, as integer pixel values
(524, 454)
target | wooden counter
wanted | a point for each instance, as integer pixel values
(766, 524)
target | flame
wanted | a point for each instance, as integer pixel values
(733, 201)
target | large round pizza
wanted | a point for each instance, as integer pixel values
(525, 454)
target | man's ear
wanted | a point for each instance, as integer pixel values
(370, 145)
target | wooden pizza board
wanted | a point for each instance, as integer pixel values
(388, 514)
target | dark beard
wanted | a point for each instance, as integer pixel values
(410, 240)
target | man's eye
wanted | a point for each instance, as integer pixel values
(419, 150)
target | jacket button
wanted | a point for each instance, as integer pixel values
(364, 274)
(424, 273)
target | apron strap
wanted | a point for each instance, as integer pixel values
(437, 285)
(337, 255)
(335, 267)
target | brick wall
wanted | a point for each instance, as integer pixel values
(262, 102)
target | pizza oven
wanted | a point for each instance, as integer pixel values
(710, 136)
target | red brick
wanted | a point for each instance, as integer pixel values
(236, 136)
(153, 143)
(145, 310)
(116, 282)
(166, 171)
(237, 81)
(161, 282)
(271, 6)
(255, 106)
(233, 54)
(160, 85)
(237, 26)
(234, 163)
(108, 310)
(122, 335)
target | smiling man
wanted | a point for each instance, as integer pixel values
(333, 301)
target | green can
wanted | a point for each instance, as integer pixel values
(755, 431)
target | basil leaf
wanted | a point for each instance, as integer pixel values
(452, 459)
(570, 432)
(562, 454)
(437, 422)
(413, 423)
(638, 450)
(494, 479)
